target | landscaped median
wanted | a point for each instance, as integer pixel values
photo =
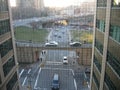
(28, 34)
(83, 36)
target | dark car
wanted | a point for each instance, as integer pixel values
(55, 82)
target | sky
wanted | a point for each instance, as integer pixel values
(57, 3)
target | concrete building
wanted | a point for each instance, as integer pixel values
(8, 62)
(105, 67)
(37, 4)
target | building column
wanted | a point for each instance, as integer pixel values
(91, 78)
(106, 37)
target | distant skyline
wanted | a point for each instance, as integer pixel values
(57, 3)
(64, 3)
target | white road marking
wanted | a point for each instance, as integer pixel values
(37, 79)
(73, 72)
(26, 78)
(88, 85)
(57, 69)
(21, 73)
(24, 81)
(75, 84)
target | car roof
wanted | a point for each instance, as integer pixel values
(65, 57)
(55, 77)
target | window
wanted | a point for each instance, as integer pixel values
(113, 62)
(101, 3)
(100, 24)
(99, 46)
(109, 83)
(0, 80)
(115, 3)
(3, 5)
(97, 63)
(115, 32)
(4, 26)
(6, 47)
(12, 82)
(95, 79)
(8, 65)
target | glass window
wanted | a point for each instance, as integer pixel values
(3, 5)
(0, 80)
(8, 65)
(116, 3)
(6, 47)
(12, 82)
(113, 62)
(97, 63)
(101, 3)
(4, 26)
(95, 79)
(109, 83)
(99, 46)
(115, 32)
(100, 24)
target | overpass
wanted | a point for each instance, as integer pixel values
(30, 54)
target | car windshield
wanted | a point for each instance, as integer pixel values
(55, 81)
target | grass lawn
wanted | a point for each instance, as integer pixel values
(82, 36)
(26, 33)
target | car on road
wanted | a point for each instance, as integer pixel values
(55, 82)
(51, 43)
(65, 60)
(75, 44)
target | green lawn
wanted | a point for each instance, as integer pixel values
(26, 33)
(82, 36)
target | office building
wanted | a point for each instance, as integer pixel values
(8, 63)
(105, 67)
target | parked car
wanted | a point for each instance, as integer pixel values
(55, 82)
(51, 43)
(75, 44)
(65, 60)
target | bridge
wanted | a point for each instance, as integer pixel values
(30, 53)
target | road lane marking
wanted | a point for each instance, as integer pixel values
(72, 72)
(21, 73)
(57, 69)
(24, 81)
(75, 84)
(29, 71)
(37, 79)
(26, 78)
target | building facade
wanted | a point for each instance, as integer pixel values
(8, 63)
(105, 66)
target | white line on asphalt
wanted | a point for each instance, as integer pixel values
(21, 73)
(88, 85)
(72, 72)
(75, 84)
(29, 71)
(26, 77)
(57, 69)
(24, 81)
(37, 79)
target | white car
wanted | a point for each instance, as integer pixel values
(51, 43)
(65, 60)
(75, 44)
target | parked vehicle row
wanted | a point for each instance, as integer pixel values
(54, 44)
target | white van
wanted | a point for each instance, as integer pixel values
(65, 60)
